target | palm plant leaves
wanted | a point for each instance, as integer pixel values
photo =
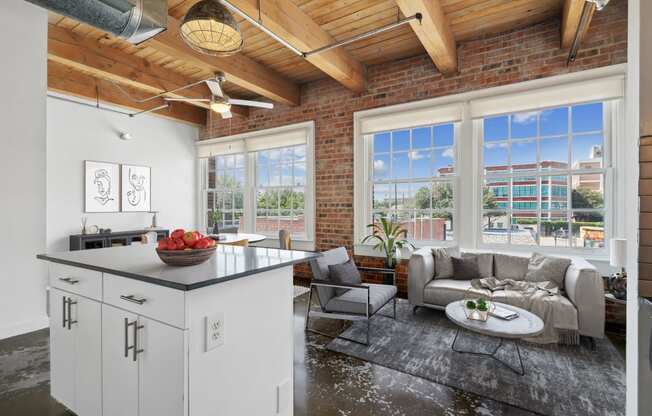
(389, 236)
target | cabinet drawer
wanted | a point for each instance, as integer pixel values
(153, 301)
(76, 280)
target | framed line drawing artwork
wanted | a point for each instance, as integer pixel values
(136, 188)
(101, 186)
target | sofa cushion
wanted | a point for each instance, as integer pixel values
(544, 268)
(346, 273)
(465, 268)
(443, 263)
(355, 300)
(444, 291)
(510, 267)
(485, 263)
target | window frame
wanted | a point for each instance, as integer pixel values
(607, 84)
(267, 136)
(608, 131)
(451, 179)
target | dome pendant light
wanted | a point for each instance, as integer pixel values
(211, 29)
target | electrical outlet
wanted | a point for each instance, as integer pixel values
(215, 331)
(283, 396)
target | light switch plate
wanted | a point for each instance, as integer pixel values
(283, 396)
(215, 331)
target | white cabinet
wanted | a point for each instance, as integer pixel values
(75, 350)
(143, 365)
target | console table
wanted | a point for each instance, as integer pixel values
(112, 239)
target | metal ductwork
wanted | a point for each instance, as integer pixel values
(133, 20)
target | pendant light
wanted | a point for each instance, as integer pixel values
(211, 29)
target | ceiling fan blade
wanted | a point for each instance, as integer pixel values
(189, 100)
(226, 114)
(249, 103)
(215, 87)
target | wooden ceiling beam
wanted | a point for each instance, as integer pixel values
(87, 55)
(570, 23)
(239, 69)
(65, 80)
(434, 32)
(286, 20)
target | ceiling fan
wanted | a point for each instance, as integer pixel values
(219, 102)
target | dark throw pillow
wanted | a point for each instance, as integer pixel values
(346, 273)
(465, 268)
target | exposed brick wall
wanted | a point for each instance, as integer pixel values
(510, 57)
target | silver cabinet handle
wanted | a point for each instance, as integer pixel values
(63, 309)
(127, 347)
(69, 280)
(70, 321)
(136, 350)
(133, 299)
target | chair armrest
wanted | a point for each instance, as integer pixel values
(585, 288)
(339, 285)
(421, 270)
(379, 271)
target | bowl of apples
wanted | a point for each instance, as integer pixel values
(185, 248)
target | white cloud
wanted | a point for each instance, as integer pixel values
(524, 118)
(416, 155)
(379, 166)
(491, 145)
(449, 153)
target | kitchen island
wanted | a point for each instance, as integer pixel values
(131, 336)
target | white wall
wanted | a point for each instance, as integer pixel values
(23, 46)
(76, 133)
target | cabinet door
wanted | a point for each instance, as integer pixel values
(162, 363)
(119, 372)
(88, 338)
(62, 351)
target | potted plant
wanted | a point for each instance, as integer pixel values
(389, 237)
(216, 216)
(477, 309)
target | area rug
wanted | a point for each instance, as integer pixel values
(559, 380)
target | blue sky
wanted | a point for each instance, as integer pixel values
(554, 141)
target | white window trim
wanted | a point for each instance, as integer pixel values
(613, 110)
(467, 200)
(255, 139)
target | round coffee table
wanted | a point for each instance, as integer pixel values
(526, 325)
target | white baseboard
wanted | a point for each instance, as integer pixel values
(24, 327)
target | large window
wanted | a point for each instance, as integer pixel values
(261, 182)
(544, 177)
(225, 193)
(413, 180)
(280, 190)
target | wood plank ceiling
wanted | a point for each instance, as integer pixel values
(277, 66)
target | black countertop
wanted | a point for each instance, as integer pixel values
(141, 262)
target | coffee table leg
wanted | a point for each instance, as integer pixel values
(520, 372)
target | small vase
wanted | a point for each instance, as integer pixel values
(216, 229)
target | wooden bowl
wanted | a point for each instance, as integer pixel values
(185, 257)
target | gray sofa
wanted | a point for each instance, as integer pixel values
(583, 286)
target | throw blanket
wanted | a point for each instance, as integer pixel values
(541, 298)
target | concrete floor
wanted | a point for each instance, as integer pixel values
(326, 383)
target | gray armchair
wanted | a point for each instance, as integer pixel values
(356, 303)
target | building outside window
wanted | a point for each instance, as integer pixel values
(413, 180)
(544, 176)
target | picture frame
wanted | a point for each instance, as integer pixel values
(101, 187)
(136, 188)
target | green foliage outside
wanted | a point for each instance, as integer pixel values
(286, 199)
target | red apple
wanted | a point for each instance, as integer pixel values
(178, 233)
(190, 238)
(163, 244)
(202, 244)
